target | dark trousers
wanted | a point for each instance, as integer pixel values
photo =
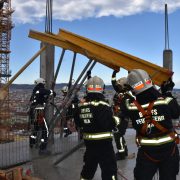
(39, 127)
(120, 144)
(168, 166)
(102, 154)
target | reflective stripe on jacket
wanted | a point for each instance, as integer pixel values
(155, 141)
(97, 136)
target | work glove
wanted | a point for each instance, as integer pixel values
(115, 72)
(167, 87)
(129, 96)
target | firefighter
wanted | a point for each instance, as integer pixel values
(38, 101)
(151, 114)
(67, 132)
(122, 150)
(96, 120)
(69, 113)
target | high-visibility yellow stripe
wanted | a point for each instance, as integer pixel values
(117, 120)
(122, 147)
(39, 108)
(156, 141)
(94, 103)
(97, 136)
(132, 106)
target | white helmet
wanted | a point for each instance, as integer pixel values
(139, 80)
(95, 85)
(64, 89)
(39, 81)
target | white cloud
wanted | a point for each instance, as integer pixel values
(32, 11)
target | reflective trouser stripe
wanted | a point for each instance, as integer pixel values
(121, 150)
(156, 141)
(122, 147)
(46, 127)
(97, 136)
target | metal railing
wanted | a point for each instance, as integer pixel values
(14, 147)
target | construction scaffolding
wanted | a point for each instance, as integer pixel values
(5, 37)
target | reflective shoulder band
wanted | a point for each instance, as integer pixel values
(113, 78)
(39, 108)
(94, 103)
(97, 136)
(161, 101)
(156, 141)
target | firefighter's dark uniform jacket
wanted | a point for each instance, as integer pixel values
(38, 100)
(40, 94)
(95, 118)
(164, 110)
(39, 97)
(156, 147)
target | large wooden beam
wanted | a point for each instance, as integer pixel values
(107, 55)
(60, 42)
(54, 40)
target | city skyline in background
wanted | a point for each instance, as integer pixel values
(135, 27)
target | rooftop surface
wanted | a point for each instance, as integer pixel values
(70, 168)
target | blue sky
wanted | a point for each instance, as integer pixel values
(135, 27)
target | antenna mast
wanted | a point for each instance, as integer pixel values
(167, 53)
